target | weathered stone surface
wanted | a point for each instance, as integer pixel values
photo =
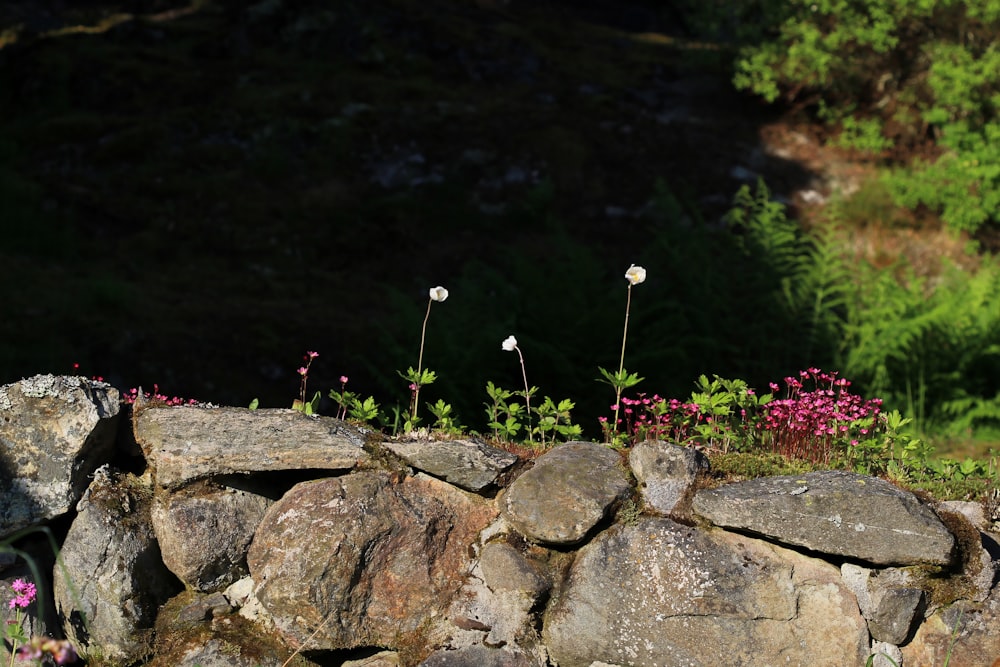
(496, 608)
(568, 491)
(892, 611)
(380, 659)
(976, 641)
(833, 512)
(183, 444)
(212, 637)
(657, 593)
(477, 656)
(506, 569)
(54, 432)
(204, 531)
(885, 655)
(666, 473)
(470, 464)
(363, 558)
(112, 561)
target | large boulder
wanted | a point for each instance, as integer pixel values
(566, 494)
(833, 512)
(184, 444)
(470, 464)
(112, 579)
(54, 432)
(640, 592)
(364, 559)
(204, 531)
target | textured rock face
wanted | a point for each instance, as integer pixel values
(54, 432)
(469, 464)
(570, 489)
(702, 599)
(364, 559)
(968, 632)
(112, 561)
(183, 444)
(666, 473)
(204, 532)
(535, 575)
(833, 512)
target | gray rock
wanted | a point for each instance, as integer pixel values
(204, 532)
(506, 569)
(470, 464)
(477, 656)
(666, 473)
(183, 444)
(638, 593)
(897, 613)
(114, 581)
(569, 490)
(833, 512)
(380, 659)
(886, 655)
(892, 610)
(364, 559)
(496, 606)
(54, 432)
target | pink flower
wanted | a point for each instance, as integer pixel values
(303, 371)
(343, 379)
(312, 355)
(25, 594)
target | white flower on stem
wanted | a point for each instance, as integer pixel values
(438, 293)
(509, 344)
(635, 275)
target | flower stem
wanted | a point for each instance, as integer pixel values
(420, 361)
(621, 361)
(527, 393)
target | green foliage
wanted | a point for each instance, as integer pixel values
(866, 63)
(554, 420)
(931, 350)
(444, 420)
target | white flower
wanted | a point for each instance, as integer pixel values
(635, 275)
(509, 344)
(438, 293)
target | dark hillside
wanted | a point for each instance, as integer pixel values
(195, 195)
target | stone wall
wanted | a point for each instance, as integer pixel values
(230, 537)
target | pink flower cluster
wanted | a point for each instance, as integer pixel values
(816, 423)
(811, 424)
(25, 594)
(133, 393)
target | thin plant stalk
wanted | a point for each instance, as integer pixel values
(420, 360)
(527, 392)
(621, 360)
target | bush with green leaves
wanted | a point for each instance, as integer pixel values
(895, 73)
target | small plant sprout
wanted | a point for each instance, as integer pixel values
(421, 377)
(301, 404)
(509, 344)
(622, 380)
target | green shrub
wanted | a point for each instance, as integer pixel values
(927, 68)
